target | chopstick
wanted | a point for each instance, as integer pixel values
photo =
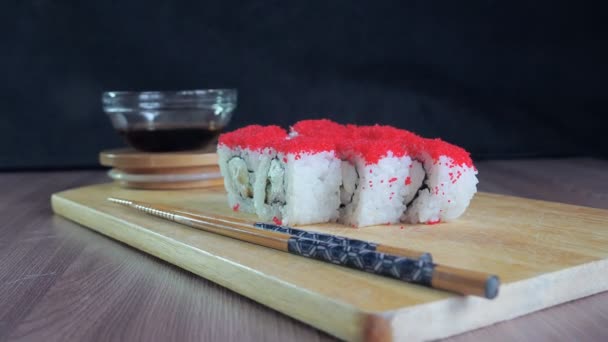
(236, 222)
(410, 266)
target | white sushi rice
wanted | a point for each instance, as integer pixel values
(447, 195)
(319, 187)
(312, 183)
(379, 197)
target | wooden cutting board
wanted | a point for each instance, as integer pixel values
(545, 254)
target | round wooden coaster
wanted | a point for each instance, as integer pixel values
(167, 170)
(133, 159)
(120, 175)
(173, 170)
(172, 186)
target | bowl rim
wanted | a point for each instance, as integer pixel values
(184, 92)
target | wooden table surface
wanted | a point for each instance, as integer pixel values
(62, 282)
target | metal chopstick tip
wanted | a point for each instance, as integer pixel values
(119, 201)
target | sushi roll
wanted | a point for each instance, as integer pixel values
(450, 182)
(243, 155)
(375, 177)
(322, 171)
(302, 183)
(293, 180)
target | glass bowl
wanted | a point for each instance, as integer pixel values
(155, 121)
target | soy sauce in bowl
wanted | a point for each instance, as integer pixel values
(167, 139)
(170, 121)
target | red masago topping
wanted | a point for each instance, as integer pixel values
(306, 144)
(371, 150)
(437, 148)
(376, 142)
(380, 132)
(254, 137)
(370, 142)
(321, 127)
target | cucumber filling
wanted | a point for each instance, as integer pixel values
(275, 183)
(241, 177)
(350, 182)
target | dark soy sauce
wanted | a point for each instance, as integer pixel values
(167, 139)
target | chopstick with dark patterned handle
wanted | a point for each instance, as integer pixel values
(444, 277)
(356, 254)
(353, 243)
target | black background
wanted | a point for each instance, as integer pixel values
(502, 78)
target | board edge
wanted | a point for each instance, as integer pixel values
(463, 314)
(397, 324)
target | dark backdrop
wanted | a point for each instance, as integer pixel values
(501, 78)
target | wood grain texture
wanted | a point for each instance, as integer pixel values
(131, 159)
(59, 281)
(172, 185)
(540, 250)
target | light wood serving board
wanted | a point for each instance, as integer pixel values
(545, 253)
